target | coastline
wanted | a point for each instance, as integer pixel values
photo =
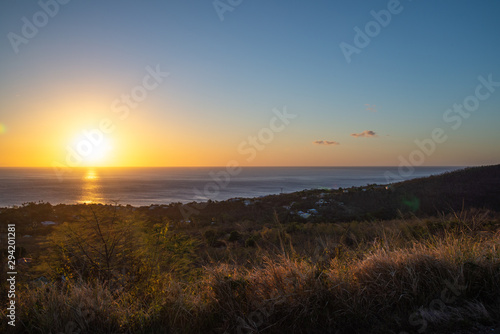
(162, 186)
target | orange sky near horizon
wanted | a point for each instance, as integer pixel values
(92, 135)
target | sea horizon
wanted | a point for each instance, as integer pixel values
(144, 186)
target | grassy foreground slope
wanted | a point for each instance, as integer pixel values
(420, 257)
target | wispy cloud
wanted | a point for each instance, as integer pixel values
(325, 142)
(366, 133)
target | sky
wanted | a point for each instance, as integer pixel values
(257, 83)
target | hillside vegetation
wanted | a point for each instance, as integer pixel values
(421, 256)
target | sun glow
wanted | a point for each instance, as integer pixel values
(90, 149)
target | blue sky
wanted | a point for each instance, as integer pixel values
(227, 76)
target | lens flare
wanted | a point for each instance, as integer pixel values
(3, 128)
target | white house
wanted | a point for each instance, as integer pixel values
(47, 223)
(304, 215)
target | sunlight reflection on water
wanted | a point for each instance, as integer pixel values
(91, 188)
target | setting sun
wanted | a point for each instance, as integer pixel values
(90, 148)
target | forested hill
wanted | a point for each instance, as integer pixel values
(477, 187)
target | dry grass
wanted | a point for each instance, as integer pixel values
(383, 279)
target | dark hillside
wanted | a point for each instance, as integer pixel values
(477, 187)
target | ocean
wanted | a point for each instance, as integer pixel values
(146, 186)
